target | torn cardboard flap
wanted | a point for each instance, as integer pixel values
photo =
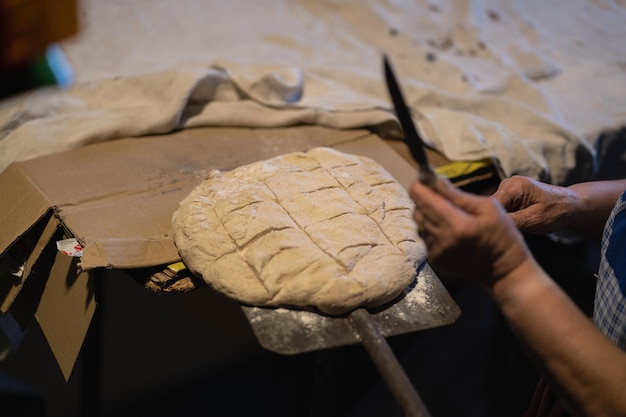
(22, 204)
(65, 310)
(122, 193)
(17, 263)
(56, 293)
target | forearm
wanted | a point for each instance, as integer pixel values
(594, 201)
(586, 370)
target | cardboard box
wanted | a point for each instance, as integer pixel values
(117, 198)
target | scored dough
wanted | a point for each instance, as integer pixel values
(320, 228)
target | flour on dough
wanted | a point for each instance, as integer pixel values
(320, 228)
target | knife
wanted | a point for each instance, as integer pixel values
(426, 174)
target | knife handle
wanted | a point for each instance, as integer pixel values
(427, 176)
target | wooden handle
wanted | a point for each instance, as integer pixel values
(387, 364)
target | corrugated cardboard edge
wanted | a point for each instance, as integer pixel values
(137, 252)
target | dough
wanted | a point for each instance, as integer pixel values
(318, 229)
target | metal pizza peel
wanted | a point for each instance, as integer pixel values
(424, 304)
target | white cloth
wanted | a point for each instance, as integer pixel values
(531, 83)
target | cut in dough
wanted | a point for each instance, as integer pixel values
(320, 228)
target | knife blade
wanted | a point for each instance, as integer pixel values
(426, 174)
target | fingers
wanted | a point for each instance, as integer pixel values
(534, 207)
(509, 200)
(466, 235)
(514, 192)
(445, 199)
(430, 204)
(449, 212)
(439, 213)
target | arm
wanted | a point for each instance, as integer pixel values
(540, 208)
(586, 370)
(473, 237)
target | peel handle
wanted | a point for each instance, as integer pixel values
(387, 364)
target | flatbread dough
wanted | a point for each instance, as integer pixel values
(322, 228)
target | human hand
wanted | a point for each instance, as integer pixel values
(536, 207)
(467, 236)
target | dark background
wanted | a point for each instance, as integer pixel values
(194, 354)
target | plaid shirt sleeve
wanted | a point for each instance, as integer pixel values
(610, 301)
